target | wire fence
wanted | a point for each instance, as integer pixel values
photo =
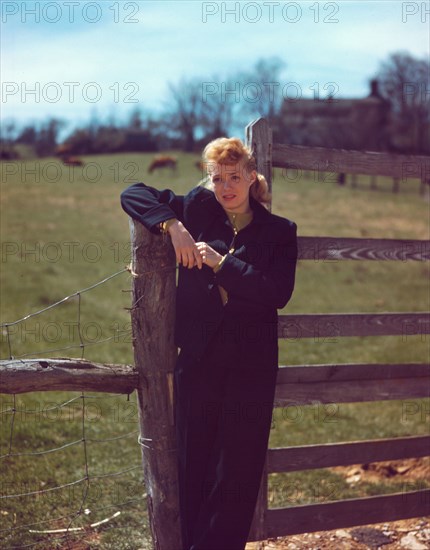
(6, 326)
(63, 506)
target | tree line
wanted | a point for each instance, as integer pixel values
(197, 110)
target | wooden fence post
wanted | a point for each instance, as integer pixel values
(152, 317)
(258, 136)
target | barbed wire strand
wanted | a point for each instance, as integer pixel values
(42, 491)
(115, 474)
(67, 347)
(79, 397)
(39, 453)
(78, 294)
(91, 287)
(129, 434)
(126, 269)
(70, 484)
(30, 411)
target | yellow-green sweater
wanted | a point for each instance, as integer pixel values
(238, 222)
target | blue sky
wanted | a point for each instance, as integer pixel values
(115, 52)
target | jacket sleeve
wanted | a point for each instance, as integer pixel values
(151, 206)
(272, 286)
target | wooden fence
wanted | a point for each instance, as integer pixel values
(344, 383)
(334, 164)
(152, 315)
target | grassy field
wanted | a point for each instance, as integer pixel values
(63, 230)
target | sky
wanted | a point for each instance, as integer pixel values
(77, 59)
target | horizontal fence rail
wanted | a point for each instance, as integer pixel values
(337, 325)
(299, 384)
(351, 383)
(346, 513)
(62, 374)
(310, 457)
(340, 248)
(351, 162)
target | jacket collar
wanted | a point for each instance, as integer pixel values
(260, 213)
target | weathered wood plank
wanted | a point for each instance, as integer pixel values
(258, 137)
(64, 374)
(350, 383)
(347, 513)
(359, 391)
(350, 162)
(340, 248)
(291, 374)
(329, 327)
(152, 318)
(309, 457)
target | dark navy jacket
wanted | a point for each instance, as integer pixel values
(258, 276)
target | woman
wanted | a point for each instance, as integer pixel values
(237, 266)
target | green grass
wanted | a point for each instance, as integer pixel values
(64, 230)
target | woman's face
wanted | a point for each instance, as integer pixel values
(231, 185)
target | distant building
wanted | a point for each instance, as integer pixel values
(335, 122)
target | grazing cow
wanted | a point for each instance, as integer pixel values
(72, 161)
(162, 161)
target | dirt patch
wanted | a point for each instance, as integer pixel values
(408, 534)
(410, 469)
(411, 534)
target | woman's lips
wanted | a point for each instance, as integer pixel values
(229, 197)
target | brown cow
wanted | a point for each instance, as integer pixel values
(72, 161)
(162, 161)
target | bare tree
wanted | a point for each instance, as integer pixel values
(404, 81)
(262, 89)
(27, 135)
(8, 130)
(206, 108)
(47, 137)
(183, 113)
(219, 106)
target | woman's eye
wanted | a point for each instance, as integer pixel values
(235, 178)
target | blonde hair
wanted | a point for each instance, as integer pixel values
(232, 151)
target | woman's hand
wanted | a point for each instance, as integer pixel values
(209, 256)
(185, 247)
